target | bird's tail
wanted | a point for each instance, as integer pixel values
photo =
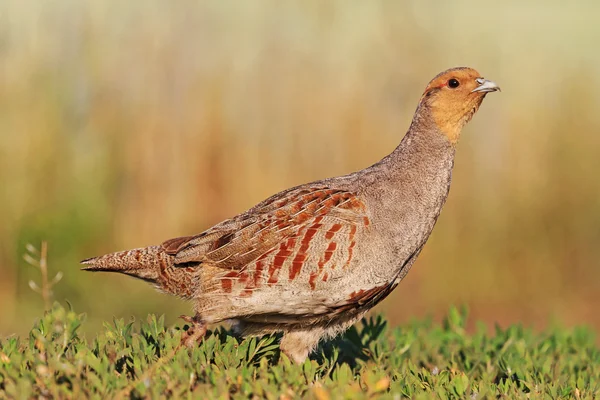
(145, 263)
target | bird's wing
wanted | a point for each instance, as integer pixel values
(280, 228)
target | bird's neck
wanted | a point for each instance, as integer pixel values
(415, 175)
(425, 150)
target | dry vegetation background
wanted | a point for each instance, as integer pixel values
(126, 123)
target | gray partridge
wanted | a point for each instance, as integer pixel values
(312, 260)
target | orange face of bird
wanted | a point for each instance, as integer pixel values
(453, 97)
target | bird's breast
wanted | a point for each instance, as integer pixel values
(405, 214)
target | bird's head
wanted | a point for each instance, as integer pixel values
(452, 98)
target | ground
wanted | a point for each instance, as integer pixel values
(418, 360)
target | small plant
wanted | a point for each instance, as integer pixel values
(39, 259)
(420, 360)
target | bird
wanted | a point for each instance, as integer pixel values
(311, 260)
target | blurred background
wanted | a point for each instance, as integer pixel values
(123, 124)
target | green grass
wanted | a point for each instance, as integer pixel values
(418, 360)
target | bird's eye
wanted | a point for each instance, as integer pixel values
(453, 83)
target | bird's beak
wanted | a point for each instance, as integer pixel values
(486, 86)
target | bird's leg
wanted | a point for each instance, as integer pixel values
(194, 334)
(297, 345)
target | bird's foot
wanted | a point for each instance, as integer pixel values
(195, 333)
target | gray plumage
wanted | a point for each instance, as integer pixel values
(311, 260)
